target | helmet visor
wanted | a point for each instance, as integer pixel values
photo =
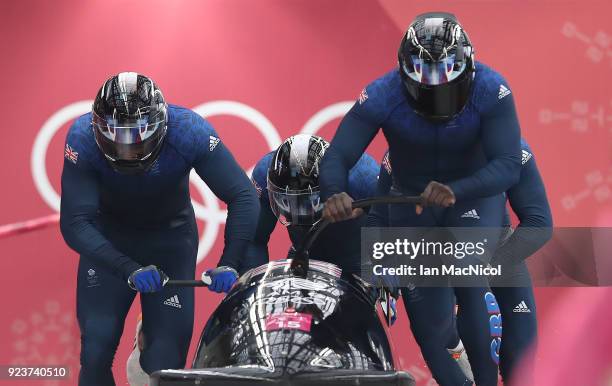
(433, 73)
(128, 132)
(129, 140)
(295, 207)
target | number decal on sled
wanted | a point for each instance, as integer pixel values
(290, 321)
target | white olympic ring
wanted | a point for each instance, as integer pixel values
(210, 212)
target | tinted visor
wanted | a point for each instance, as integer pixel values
(128, 131)
(129, 139)
(434, 72)
(295, 207)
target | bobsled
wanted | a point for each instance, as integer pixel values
(294, 322)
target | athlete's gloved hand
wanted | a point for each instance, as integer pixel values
(339, 207)
(222, 278)
(436, 194)
(147, 279)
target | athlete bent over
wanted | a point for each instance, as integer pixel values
(126, 210)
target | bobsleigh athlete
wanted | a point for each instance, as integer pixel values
(513, 292)
(287, 182)
(454, 139)
(126, 210)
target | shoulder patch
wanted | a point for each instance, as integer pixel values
(363, 96)
(213, 142)
(70, 154)
(503, 91)
(525, 156)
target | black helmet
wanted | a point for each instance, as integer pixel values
(129, 121)
(293, 180)
(436, 63)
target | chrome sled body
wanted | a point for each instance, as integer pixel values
(279, 328)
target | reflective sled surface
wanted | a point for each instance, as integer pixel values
(281, 329)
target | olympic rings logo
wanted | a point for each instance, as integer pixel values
(209, 211)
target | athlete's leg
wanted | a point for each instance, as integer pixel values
(430, 310)
(478, 319)
(103, 301)
(479, 325)
(136, 376)
(518, 309)
(168, 315)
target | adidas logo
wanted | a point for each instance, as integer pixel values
(214, 141)
(173, 302)
(521, 307)
(503, 91)
(526, 156)
(471, 214)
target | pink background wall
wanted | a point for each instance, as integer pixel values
(279, 64)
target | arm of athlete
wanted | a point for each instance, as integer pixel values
(528, 200)
(257, 251)
(79, 209)
(357, 129)
(220, 171)
(379, 214)
(501, 143)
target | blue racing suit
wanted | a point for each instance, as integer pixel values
(338, 243)
(517, 304)
(477, 154)
(119, 223)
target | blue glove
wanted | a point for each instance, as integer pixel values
(222, 278)
(147, 279)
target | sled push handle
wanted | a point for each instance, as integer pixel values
(205, 282)
(299, 263)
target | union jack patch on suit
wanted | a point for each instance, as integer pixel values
(70, 154)
(363, 96)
